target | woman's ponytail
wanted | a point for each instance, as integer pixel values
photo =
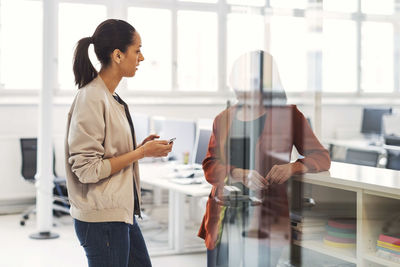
(83, 69)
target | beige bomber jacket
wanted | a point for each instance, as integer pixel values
(97, 130)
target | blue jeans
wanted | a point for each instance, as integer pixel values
(112, 244)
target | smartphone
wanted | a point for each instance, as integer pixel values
(171, 140)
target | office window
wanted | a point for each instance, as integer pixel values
(339, 57)
(288, 47)
(75, 21)
(245, 33)
(246, 2)
(301, 4)
(154, 27)
(21, 44)
(196, 41)
(197, 51)
(377, 57)
(377, 7)
(340, 5)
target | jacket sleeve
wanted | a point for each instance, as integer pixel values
(86, 138)
(316, 157)
(214, 165)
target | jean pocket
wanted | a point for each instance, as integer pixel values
(82, 231)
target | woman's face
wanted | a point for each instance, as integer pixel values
(132, 57)
(255, 80)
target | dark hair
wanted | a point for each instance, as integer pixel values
(109, 35)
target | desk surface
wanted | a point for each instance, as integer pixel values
(361, 144)
(357, 176)
(340, 175)
(156, 174)
(344, 175)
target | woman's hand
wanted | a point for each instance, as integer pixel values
(250, 178)
(151, 148)
(156, 148)
(149, 138)
(280, 173)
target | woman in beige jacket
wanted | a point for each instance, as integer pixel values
(101, 151)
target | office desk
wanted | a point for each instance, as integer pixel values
(156, 174)
(375, 194)
(356, 177)
(387, 156)
(360, 144)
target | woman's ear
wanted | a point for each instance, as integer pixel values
(117, 56)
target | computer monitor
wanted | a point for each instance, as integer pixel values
(157, 124)
(372, 120)
(183, 130)
(141, 122)
(201, 145)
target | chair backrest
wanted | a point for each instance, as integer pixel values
(393, 160)
(29, 158)
(362, 157)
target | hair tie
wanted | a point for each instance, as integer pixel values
(91, 40)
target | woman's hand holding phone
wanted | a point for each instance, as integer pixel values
(157, 148)
(149, 138)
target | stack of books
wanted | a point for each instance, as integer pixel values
(388, 247)
(307, 227)
(341, 233)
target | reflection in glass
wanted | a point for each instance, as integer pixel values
(377, 57)
(156, 49)
(340, 5)
(339, 58)
(197, 51)
(291, 59)
(245, 33)
(301, 4)
(246, 2)
(75, 22)
(377, 7)
(249, 164)
(21, 44)
(200, 1)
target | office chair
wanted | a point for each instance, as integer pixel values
(393, 159)
(362, 157)
(28, 172)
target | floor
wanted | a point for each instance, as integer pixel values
(18, 250)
